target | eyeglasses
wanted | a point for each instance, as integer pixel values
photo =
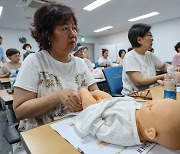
(150, 35)
(145, 95)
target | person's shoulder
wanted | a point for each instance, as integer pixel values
(31, 57)
(177, 55)
(1, 49)
(130, 53)
(77, 59)
(101, 57)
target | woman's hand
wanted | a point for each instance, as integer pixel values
(71, 99)
(161, 82)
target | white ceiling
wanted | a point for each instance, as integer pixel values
(115, 13)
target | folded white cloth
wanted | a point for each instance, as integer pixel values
(112, 120)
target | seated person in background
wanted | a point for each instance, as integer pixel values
(124, 122)
(27, 47)
(139, 65)
(86, 52)
(104, 61)
(2, 54)
(121, 53)
(176, 58)
(79, 52)
(14, 64)
(89, 64)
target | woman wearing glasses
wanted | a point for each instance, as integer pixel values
(48, 82)
(139, 66)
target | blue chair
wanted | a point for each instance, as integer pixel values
(96, 64)
(113, 77)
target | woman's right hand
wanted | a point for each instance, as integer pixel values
(70, 98)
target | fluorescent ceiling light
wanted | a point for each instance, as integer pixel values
(102, 29)
(95, 4)
(144, 16)
(1, 8)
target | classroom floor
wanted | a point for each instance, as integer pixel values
(4, 146)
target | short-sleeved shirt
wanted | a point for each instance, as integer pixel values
(2, 54)
(146, 64)
(104, 61)
(176, 60)
(42, 74)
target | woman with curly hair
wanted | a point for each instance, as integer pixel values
(48, 83)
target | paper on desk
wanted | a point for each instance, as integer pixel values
(89, 144)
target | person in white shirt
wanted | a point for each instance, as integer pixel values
(121, 53)
(104, 61)
(13, 64)
(49, 80)
(79, 52)
(139, 65)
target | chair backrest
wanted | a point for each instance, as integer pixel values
(96, 64)
(113, 77)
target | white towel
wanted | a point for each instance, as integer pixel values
(112, 120)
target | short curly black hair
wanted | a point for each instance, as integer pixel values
(46, 18)
(177, 46)
(25, 45)
(11, 51)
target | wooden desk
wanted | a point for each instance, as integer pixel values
(4, 83)
(157, 93)
(44, 140)
(6, 103)
(5, 98)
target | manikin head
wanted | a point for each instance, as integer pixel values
(160, 122)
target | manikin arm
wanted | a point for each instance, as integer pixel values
(89, 99)
(86, 98)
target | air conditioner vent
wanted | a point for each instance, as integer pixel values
(32, 3)
(35, 4)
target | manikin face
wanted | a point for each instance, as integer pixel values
(164, 117)
(64, 37)
(146, 41)
(15, 58)
(152, 111)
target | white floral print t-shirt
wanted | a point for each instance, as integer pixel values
(42, 74)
